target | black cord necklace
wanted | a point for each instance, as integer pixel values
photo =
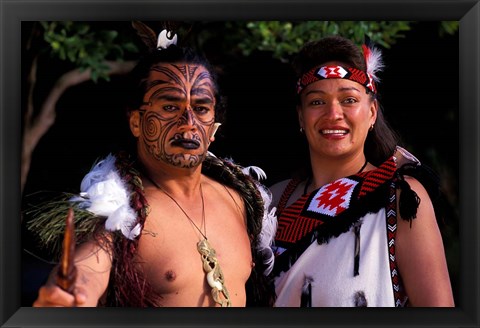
(184, 212)
(211, 266)
(309, 179)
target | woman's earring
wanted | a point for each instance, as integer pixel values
(371, 127)
(301, 130)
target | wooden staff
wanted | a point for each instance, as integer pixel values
(67, 272)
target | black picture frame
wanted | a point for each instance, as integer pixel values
(14, 12)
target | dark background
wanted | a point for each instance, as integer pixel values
(419, 93)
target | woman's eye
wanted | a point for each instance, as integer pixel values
(317, 102)
(350, 101)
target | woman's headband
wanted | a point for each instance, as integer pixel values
(374, 63)
(336, 72)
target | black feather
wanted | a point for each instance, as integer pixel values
(146, 34)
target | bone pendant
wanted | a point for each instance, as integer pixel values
(214, 273)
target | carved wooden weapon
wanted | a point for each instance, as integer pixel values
(67, 272)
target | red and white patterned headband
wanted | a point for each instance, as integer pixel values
(373, 61)
(336, 72)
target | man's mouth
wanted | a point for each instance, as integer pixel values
(179, 141)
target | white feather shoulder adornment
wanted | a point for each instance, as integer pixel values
(104, 193)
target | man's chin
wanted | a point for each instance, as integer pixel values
(187, 160)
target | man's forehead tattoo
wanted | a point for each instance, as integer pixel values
(187, 70)
(204, 79)
(202, 84)
(172, 76)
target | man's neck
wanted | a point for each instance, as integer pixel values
(183, 182)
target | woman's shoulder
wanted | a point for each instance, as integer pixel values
(277, 190)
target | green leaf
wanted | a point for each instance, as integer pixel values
(130, 47)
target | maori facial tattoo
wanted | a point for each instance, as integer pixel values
(178, 114)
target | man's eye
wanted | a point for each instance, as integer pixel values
(201, 109)
(170, 108)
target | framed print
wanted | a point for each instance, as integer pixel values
(257, 113)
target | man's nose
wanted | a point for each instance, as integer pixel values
(188, 118)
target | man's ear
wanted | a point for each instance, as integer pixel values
(134, 120)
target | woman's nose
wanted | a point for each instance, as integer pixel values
(334, 110)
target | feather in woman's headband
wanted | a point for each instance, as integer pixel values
(374, 63)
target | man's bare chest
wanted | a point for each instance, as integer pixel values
(169, 255)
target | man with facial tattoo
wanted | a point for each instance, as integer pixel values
(171, 225)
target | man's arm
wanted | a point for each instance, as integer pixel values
(93, 262)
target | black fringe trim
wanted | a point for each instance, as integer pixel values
(371, 203)
(431, 181)
(356, 261)
(408, 201)
(306, 296)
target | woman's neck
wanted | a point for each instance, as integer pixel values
(326, 170)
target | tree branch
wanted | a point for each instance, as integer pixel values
(36, 128)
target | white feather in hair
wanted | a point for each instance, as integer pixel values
(374, 61)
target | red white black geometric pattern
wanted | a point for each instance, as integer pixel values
(331, 72)
(335, 72)
(372, 179)
(339, 202)
(289, 189)
(330, 204)
(391, 216)
(333, 198)
(293, 227)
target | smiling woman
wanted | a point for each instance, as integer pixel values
(324, 103)
(358, 229)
